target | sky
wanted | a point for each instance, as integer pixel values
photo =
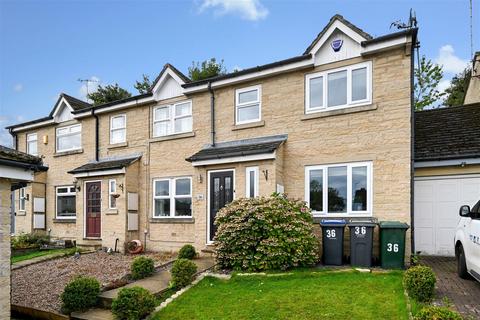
(46, 46)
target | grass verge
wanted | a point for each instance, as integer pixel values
(40, 253)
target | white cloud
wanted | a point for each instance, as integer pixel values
(247, 9)
(92, 87)
(450, 62)
(443, 84)
(18, 87)
(5, 137)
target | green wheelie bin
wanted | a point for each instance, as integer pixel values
(392, 244)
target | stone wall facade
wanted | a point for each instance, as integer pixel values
(4, 249)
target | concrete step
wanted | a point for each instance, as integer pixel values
(93, 314)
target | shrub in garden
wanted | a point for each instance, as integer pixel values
(419, 281)
(187, 252)
(267, 233)
(133, 303)
(437, 313)
(142, 267)
(29, 240)
(183, 271)
(80, 294)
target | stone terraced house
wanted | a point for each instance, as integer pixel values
(332, 126)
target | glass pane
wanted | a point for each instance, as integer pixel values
(66, 206)
(183, 125)
(113, 202)
(248, 113)
(62, 190)
(248, 96)
(162, 113)
(183, 109)
(75, 129)
(183, 207)
(32, 137)
(61, 131)
(216, 194)
(228, 189)
(316, 190)
(112, 186)
(69, 142)
(32, 147)
(337, 189)
(359, 84)
(337, 88)
(161, 128)
(182, 187)
(251, 191)
(118, 122)
(118, 136)
(161, 188)
(162, 207)
(316, 92)
(359, 188)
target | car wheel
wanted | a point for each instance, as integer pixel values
(461, 264)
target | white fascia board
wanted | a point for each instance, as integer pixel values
(34, 125)
(57, 107)
(386, 45)
(445, 163)
(167, 72)
(115, 107)
(99, 173)
(257, 157)
(15, 173)
(254, 75)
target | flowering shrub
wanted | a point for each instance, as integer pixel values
(267, 233)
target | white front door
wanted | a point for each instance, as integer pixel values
(436, 204)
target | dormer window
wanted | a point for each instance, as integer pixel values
(69, 138)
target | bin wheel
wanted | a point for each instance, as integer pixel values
(461, 264)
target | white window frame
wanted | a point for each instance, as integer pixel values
(350, 103)
(22, 199)
(111, 192)
(247, 104)
(349, 212)
(32, 137)
(68, 193)
(68, 134)
(248, 170)
(172, 117)
(171, 196)
(124, 128)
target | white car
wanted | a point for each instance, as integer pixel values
(467, 242)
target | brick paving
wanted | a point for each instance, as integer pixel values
(463, 294)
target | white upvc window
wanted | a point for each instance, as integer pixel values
(339, 88)
(172, 198)
(32, 144)
(248, 104)
(251, 179)
(339, 189)
(69, 138)
(65, 202)
(112, 194)
(172, 119)
(22, 199)
(118, 129)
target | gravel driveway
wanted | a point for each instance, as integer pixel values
(40, 285)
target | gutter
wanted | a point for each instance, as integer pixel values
(24, 165)
(212, 112)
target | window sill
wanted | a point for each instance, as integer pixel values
(21, 213)
(173, 220)
(64, 220)
(92, 239)
(117, 145)
(323, 114)
(173, 137)
(249, 125)
(111, 212)
(67, 153)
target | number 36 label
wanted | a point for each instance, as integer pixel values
(330, 233)
(392, 247)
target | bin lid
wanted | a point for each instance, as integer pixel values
(393, 225)
(333, 222)
(357, 223)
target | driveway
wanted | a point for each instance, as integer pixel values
(464, 294)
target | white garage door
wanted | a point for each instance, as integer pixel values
(437, 200)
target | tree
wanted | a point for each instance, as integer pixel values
(206, 69)
(108, 93)
(144, 85)
(458, 88)
(427, 78)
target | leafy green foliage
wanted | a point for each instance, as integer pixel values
(206, 69)
(133, 303)
(267, 233)
(419, 281)
(183, 271)
(144, 85)
(187, 252)
(142, 267)
(458, 88)
(80, 294)
(108, 93)
(437, 313)
(29, 240)
(427, 77)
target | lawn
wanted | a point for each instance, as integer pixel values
(301, 295)
(39, 253)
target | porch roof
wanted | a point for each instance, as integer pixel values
(105, 165)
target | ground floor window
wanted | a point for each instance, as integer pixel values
(22, 199)
(172, 197)
(339, 189)
(112, 196)
(251, 186)
(66, 202)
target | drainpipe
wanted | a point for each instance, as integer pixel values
(212, 112)
(96, 134)
(15, 138)
(415, 45)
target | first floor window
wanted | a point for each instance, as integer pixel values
(251, 178)
(172, 119)
(112, 194)
(172, 197)
(22, 199)
(339, 189)
(32, 144)
(118, 129)
(69, 138)
(248, 105)
(66, 202)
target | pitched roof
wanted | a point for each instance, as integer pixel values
(239, 148)
(165, 67)
(20, 159)
(108, 164)
(447, 133)
(108, 104)
(75, 103)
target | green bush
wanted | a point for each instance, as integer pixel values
(419, 281)
(437, 313)
(267, 233)
(187, 252)
(29, 240)
(80, 294)
(133, 303)
(183, 271)
(142, 267)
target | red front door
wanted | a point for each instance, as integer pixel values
(93, 205)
